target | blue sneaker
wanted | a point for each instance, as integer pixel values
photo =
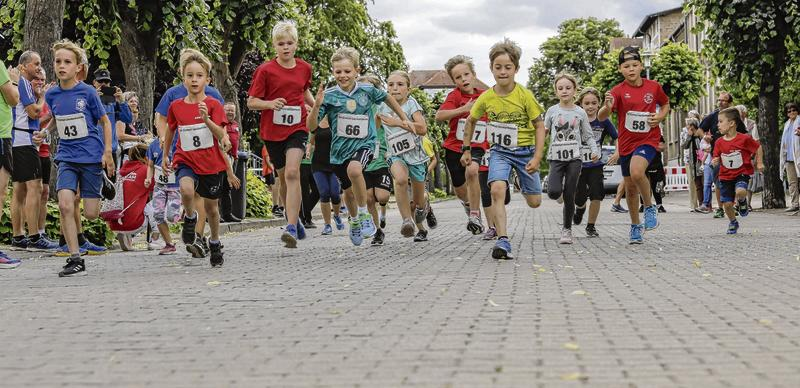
(63, 251)
(327, 230)
(743, 209)
(7, 262)
(43, 244)
(650, 217)
(733, 227)
(339, 223)
(301, 231)
(356, 235)
(368, 228)
(93, 250)
(289, 236)
(502, 249)
(636, 234)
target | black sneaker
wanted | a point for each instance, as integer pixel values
(309, 225)
(216, 255)
(197, 248)
(641, 209)
(74, 267)
(422, 235)
(382, 222)
(187, 232)
(431, 219)
(661, 209)
(20, 244)
(377, 240)
(578, 216)
(591, 231)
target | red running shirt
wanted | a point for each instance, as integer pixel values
(735, 155)
(201, 153)
(133, 174)
(44, 148)
(456, 99)
(632, 105)
(271, 81)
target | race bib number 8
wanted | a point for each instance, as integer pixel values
(71, 127)
(165, 179)
(195, 137)
(732, 160)
(478, 134)
(502, 134)
(565, 150)
(637, 122)
(288, 115)
(352, 126)
(402, 142)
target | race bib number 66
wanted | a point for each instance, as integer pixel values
(352, 126)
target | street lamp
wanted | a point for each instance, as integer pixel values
(647, 56)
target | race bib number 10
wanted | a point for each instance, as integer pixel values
(72, 127)
(502, 134)
(352, 126)
(288, 115)
(637, 122)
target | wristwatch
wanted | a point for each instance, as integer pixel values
(465, 148)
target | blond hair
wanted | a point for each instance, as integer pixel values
(567, 76)
(189, 55)
(66, 44)
(371, 79)
(284, 29)
(458, 60)
(403, 74)
(587, 91)
(507, 47)
(347, 53)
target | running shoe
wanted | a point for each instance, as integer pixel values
(289, 236)
(368, 228)
(419, 215)
(578, 216)
(94, 250)
(377, 240)
(650, 217)
(301, 231)
(216, 258)
(187, 232)
(382, 220)
(636, 234)
(422, 235)
(197, 248)
(407, 230)
(661, 209)
(719, 213)
(337, 219)
(43, 244)
(490, 234)
(733, 227)
(63, 251)
(704, 209)
(502, 249)
(566, 236)
(355, 232)
(431, 219)
(591, 231)
(475, 225)
(309, 225)
(21, 244)
(7, 262)
(74, 267)
(327, 230)
(618, 209)
(744, 210)
(169, 249)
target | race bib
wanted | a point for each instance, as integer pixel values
(71, 127)
(485, 159)
(164, 179)
(401, 143)
(478, 134)
(195, 137)
(732, 160)
(352, 126)
(586, 154)
(637, 121)
(288, 115)
(502, 134)
(565, 150)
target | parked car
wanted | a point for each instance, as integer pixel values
(612, 174)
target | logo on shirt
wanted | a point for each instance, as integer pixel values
(80, 104)
(648, 98)
(627, 95)
(363, 99)
(351, 105)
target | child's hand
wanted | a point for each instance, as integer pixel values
(532, 166)
(653, 120)
(108, 163)
(409, 125)
(715, 161)
(613, 158)
(233, 181)
(468, 106)
(278, 103)
(225, 143)
(203, 110)
(760, 167)
(166, 166)
(147, 182)
(609, 101)
(595, 157)
(320, 94)
(466, 158)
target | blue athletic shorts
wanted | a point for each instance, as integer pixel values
(645, 150)
(86, 176)
(727, 189)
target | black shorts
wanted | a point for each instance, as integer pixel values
(6, 156)
(486, 192)
(29, 167)
(269, 179)
(590, 185)
(379, 179)
(207, 186)
(277, 149)
(46, 165)
(458, 172)
(363, 156)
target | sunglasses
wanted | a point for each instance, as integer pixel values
(790, 110)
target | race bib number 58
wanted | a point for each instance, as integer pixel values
(637, 122)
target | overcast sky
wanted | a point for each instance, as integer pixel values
(431, 31)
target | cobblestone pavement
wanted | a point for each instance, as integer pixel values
(692, 307)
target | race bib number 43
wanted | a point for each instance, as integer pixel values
(195, 137)
(72, 127)
(732, 160)
(637, 122)
(352, 126)
(502, 134)
(288, 115)
(478, 134)
(401, 143)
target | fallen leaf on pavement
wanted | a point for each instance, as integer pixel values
(572, 346)
(579, 292)
(491, 302)
(697, 264)
(765, 322)
(577, 376)
(706, 275)
(213, 283)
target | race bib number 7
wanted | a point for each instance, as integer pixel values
(352, 126)
(288, 115)
(732, 160)
(478, 134)
(195, 137)
(72, 127)
(637, 122)
(502, 134)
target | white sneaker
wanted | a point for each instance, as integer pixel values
(566, 236)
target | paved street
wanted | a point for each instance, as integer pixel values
(692, 307)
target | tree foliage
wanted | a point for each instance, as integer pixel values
(680, 73)
(578, 48)
(607, 75)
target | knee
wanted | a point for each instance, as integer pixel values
(354, 170)
(291, 174)
(553, 194)
(66, 207)
(533, 201)
(472, 172)
(498, 190)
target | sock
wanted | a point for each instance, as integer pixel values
(476, 213)
(213, 242)
(75, 257)
(81, 239)
(362, 210)
(41, 231)
(580, 207)
(502, 237)
(35, 237)
(61, 240)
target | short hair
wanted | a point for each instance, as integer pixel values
(567, 76)
(229, 103)
(371, 79)
(138, 152)
(401, 73)
(694, 113)
(66, 44)
(507, 47)
(189, 55)
(27, 56)
(791, 105)
(128, 95)
(586, 91)
(733, 114)
(458, 60)
(730, 96)
(692, 122)
(347, 53)
(284, 28)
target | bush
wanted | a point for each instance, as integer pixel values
(95, 231)
(259, 198)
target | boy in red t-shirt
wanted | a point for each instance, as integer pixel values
(732, 153)
(280, 90)
(198, 160)
(641, 105)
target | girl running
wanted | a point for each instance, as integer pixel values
(166, 195)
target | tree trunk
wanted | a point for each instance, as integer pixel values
(770, 131)
(137, 52)
(44, 20)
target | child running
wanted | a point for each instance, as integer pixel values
(326, 180)
(641, 105)
(198, 160)
(348, 107)
(515, 129)
(84, 150)
(407, 161)
(590, 184)
(569, 130)
(166, 195)
(280, 89)
(733, 153)
(377, 176)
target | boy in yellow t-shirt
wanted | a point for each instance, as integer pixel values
(514, 129)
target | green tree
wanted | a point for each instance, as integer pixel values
(750, 42)
(607, 75)
(578, 48)
(680, 73)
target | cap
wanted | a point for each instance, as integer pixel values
(102, 75)
(629, 53)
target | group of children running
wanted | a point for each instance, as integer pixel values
(368, 140)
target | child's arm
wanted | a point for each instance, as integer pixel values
(657, 118)
(533, 165)
(469, 129)
(760, 159)
(312, 120)
(608, 105)
(108, 160)
(448, 114)
(398, 110)
(587, 133)
(166, 164)
(233, 180)
(150, 172)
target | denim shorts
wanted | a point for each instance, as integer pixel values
(502, 160)
(86, 176)
(416, 172)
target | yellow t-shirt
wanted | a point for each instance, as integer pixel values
(427, 146)
(519, 107)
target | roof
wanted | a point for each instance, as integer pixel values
(649, 19)
(436, 79)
